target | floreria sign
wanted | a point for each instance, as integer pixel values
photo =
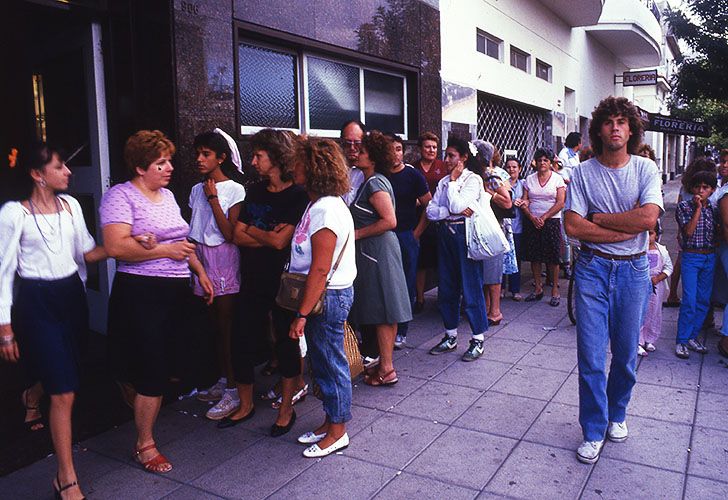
(670, 125)
(637, 78)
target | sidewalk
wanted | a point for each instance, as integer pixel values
(505, 425)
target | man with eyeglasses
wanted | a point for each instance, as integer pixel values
(352, 133)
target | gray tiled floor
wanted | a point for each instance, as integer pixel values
(506, 425)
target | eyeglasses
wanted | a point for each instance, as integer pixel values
(351, 144)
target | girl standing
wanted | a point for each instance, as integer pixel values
(660, 270)
(215, 205)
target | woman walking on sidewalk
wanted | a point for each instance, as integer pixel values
(47, 245)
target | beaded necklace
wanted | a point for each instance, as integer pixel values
(45, 240)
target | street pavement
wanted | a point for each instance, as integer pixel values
(503, 426)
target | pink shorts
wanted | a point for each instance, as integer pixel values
(222, 264)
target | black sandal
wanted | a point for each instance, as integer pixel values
(57, 490)
(30, 425)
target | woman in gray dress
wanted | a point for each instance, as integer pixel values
(380, 289)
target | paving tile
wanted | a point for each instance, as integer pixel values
(558, 425)
(408, 486)
(438, 402)
(551, 357)
(383, 398)
(530, 381)
(564, 336)
(542, 314)
(654, 443)
(705, 489)
(454, 451)
(535, 470)
(635, 481)
(361, 418)
(129, 482)
(394, 440)
(663, 403)
(209, 448)
(715, 373)
(420, 364)
(712, 410)
(256, 472)
(189, 493)
(480, 374)
(709, 453)
(324, 480)
(525, 331)
(569, 392)
(498, 348)
(671, 372)
(502, 414)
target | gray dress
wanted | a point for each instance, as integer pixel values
(380, 288)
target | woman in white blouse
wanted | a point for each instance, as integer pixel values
(46, 247)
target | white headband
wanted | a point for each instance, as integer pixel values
(234, 152)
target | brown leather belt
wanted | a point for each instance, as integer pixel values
(610, 256)
(704, 251)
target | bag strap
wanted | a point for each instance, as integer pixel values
(338, 260)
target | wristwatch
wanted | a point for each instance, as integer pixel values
(211, 197)
(299, 315)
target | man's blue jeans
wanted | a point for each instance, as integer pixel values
(325, 339)
(459, 276)
(723, 255)
(611, 301)
(410, 249)
(697, 282)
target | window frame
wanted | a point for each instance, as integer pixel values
(301, 54)
(515, 50)
(549, 68)
(489, 38)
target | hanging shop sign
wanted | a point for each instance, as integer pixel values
(639, 78)
(670, 125)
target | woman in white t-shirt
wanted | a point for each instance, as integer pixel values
(544, 194)
(324, 236)
(215, 204)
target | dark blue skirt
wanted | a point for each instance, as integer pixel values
(49, 319)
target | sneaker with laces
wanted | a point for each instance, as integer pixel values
(225, 407)
(697, 346)
(650, 347)
(400, 341)
(447, 344)
(475, 350)
(369, 362)
(641, 351)
(681, 351)
(589, 451)
(213, 393)
(617, 431)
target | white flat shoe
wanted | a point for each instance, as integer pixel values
(310, 438)
(316, 452)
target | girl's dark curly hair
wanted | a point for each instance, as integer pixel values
(380, 149)
(326, 171)
(697, 165)
(220, 146)
(616, 106)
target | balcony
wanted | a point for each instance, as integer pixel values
(631, 31)
(583, 13)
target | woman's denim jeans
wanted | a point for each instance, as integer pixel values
(611, 301)
(325, 338)
(459, 276)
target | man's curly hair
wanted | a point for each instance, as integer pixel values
(380, 149)
(144, 147)
(616, 106)
(326, 170)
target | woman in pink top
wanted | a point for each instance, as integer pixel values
(151, 284)
(544, 194)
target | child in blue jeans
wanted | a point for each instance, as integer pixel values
(698, 222)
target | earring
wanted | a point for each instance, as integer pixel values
(42, 183)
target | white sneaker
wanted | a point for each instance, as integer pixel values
(589, 451)
(641, 351)
(617, 431)
(315, 451)
(310, 438)
(697, 346)
(650, 347)
(369, 362)
(229, 403)
(400, 341)
(213, 393)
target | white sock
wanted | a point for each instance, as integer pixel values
(233, 393)
(452, 333)
(480, 337)
(222, 380)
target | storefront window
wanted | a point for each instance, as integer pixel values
(333, 93)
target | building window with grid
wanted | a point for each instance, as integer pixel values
(313, 93)
(489, 45)
(543, 70)
(520, 59)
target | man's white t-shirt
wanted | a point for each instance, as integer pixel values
(329, 212)
(356, 179)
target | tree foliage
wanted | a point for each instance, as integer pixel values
(700, 86)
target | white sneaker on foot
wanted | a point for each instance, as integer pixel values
(213, 393)
(650, 347)
(617, 431)
(400, 341)
(229, 403)
(641, 351)
(589, 451)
